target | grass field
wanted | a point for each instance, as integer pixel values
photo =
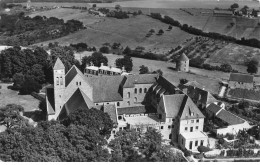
(129, 32)
(8, 96)
(68, 14)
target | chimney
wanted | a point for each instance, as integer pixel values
(102, 64)
(91, 63)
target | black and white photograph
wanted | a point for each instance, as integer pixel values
(129, 81)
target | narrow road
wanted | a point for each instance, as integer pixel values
(231, 159)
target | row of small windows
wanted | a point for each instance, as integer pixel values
(59, 80)
(141, 90)
(191, 128)
(78, 83)
(192, 121)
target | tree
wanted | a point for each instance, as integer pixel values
(30, 85)
(252, 66)
(234, 6)
(160, 32)
(183, 81)
(226, 67)
(96, 58)
(170, 27)
(118, 7)
(126, 62)
(10, 116)
(152, 31)
(94, 5)
(127, 51)
(18, 79)
(143, 69)
(104, 49)
(37, 73)
(91, 119)
(203, 149)
(159, 72)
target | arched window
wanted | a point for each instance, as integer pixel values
(118, 104)
(79, 83)
(170, 136)
(145, 90)
(135, 90)
(57, 80)
(61, 80)
(140, 90)
(128, 95)
(135, 99)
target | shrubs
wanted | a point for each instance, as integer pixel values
(187, 153)
(202, 149)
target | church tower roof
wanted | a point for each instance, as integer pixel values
(183, 57)
(58, 64)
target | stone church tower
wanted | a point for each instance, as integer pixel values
(59, 85)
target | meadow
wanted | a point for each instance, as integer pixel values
(8, 96)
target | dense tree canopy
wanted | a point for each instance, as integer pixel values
(81, 139)
(252, 66)
(96, 58)
(143, 69)
(126, 62)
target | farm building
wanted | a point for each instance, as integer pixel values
(242, 81)
(182, 63)
(225, 121)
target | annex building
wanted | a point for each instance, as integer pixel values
(133, 102)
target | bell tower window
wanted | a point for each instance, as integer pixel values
(57, 81)
(61, 80)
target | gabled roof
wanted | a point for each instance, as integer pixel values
(111, 110)
(78, 100)
(105, 88)
(229, 117)
(50, 100)
(58, 65)
(136, 110)
(172, 104)
(244, 78)
(167, 85)
(197, 94)
(183, 57)
(71, 74)
(189, 110)
(130, 80)
(180, 105)
(213, 108)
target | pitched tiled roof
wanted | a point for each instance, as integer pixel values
(244, 78)
(199, 94)
(105, 88)
(213, 108)
(71, 74)
(111, 110)
(58, 64)
(172, 104)
(139, 79)
(167, 85)
(183, 57)
(78, 100)
(189, 110)
(50, 100)
(229, 117)
(136, 110)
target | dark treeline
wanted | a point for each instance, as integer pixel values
(195, 31)
(18, 30)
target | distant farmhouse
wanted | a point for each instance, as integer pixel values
(230, 123)
(133, 102)
(242, 81)
(242, 86)
(92, 70)
(182, 63)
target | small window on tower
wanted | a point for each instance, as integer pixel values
(57, 80)
(61, 80)
(79, 83)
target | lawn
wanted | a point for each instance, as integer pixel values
(129, 32)
(8, 96)
(68, 14)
